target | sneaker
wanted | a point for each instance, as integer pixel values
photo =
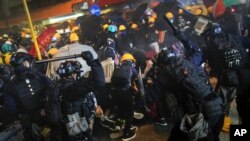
(119, 125)
(128, 136)
(109, 125)
(138, 115)
(134, 128)
(110, 119)
(119, 134)
(162, 122)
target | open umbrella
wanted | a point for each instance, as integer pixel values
(139, 11)
(90, 27)
(68, 50)
(161, 9)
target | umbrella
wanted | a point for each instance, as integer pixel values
(68, 50)
(90, 27)
(139, 11)
(161, 9)
(80, 19)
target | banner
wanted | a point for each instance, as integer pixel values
(44, 39)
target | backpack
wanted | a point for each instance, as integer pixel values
(121, 77)
(192, 78)
(52, 105)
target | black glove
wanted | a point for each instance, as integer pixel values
(87, 56)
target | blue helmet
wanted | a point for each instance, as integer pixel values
(6, 48)
(112, 28)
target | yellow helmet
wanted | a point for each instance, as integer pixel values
(188, 7)
(128, 56)
(210, 9)
(180, 11)
(169, 15)
(151, 20)
(134, 26)
(7, 57)
(154, 15)
(105, 26)
(53, 51)
(73, 37)
(57, 36)
(122, 27)
(198, 12)
(74, 29)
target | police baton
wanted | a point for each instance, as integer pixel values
(178, 34)
(59, 58)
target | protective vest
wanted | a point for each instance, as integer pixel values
(28, 91)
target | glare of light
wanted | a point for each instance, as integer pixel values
(60, 19)
(106, 11)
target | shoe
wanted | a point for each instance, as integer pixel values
(133, 128)
(110, 119)
(128, 136)
(109, 125)
(119, 125)
(119, 134)
(138, 115)
(162, 122)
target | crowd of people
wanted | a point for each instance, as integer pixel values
(160, 74)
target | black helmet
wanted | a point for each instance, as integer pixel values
(18, 58)
(164, 57)
(6, 71)
(69, 67)
(213, 31)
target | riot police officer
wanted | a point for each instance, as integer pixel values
(78, 101)
(24, 94)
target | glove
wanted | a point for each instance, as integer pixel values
(87, 56)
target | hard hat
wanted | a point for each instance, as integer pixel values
(5, 36)
(154, 15)
(8, 42)
(7, 57)
(67, 30)
(57, 36)
(188, 7)
(180, 11)
(105, 26)
(134, 26)
(169, 15)
(122, 27)
(73, 37)
(53, 51)
(6, 48)
(151, 20)
(198, 12)
(210, 9)
(128, 56)
(74, 29)
(112, 28)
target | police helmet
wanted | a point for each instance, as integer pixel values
(68, 68)
(164, 57)
(18, 58)
(6, 71)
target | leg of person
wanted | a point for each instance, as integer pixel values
(127, 107)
